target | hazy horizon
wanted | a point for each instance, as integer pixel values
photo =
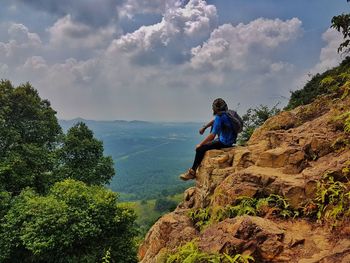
(131, 120)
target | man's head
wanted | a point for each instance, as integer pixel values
(219, 105)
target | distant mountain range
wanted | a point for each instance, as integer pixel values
(148, 156)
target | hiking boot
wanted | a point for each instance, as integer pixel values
(190, 174)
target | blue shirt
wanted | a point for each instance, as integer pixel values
(223, 127)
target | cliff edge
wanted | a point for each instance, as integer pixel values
(282, 198)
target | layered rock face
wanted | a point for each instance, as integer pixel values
(287, 156)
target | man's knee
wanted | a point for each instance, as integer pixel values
(201, 149)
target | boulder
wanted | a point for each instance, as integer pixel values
(167, 233)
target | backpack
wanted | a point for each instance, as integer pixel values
(236, 120)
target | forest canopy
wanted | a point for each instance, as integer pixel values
(53, 203)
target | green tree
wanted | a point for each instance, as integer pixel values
(81, 157)
(45, 221)
(342, 24)
(29, 132)
(5, 202)
(253, 118)
(74, 222)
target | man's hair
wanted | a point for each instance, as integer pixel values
(219, 105)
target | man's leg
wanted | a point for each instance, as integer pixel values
(200, 152)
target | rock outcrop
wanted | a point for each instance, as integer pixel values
(287, 156)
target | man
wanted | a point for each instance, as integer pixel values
(222, 128)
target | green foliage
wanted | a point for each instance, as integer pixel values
(329, 83)
(347, 124)
(190, 253)
(245, 206)
(107, 257)
(200, 217)
(332, 202)
(34, 152)
(345, 118)
(342, 24)
(81, 157)
(5, 202)
(326, 83)
(29, 132)
(253, 119)
(72, 223)
(45, 221)
(273, 204)
(164, 205)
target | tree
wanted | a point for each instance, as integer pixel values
(29, 132)
(342, 24)
(81, 157)
(5, 202)
(74, 222)
(42, 219)
(254, 118)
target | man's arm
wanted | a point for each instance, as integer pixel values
(209, 124)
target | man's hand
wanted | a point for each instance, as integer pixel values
(209, 124)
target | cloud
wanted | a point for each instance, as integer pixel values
(21, 35)
(171, 40)
(21, 43)
(130, 8)
(329, 56)
(91, 12)
(157, 72)
(69, 34)
(108, 83)
(4, 69)
(245, 46)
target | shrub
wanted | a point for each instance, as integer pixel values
(326, 83)
(190, 253)
(332, 202)
(254, 118)
(72, 223)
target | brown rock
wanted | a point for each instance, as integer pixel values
(169, 231)
(260, 180)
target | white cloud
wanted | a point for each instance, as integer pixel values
(170, 40)
(35, 63)
(130, 8)
(21, 36)
(20, 45)
(245, 46)
(329, 56)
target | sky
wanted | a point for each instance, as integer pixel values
(165, 60)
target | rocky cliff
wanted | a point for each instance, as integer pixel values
(295, 168)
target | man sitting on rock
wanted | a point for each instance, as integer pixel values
(225, 127)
